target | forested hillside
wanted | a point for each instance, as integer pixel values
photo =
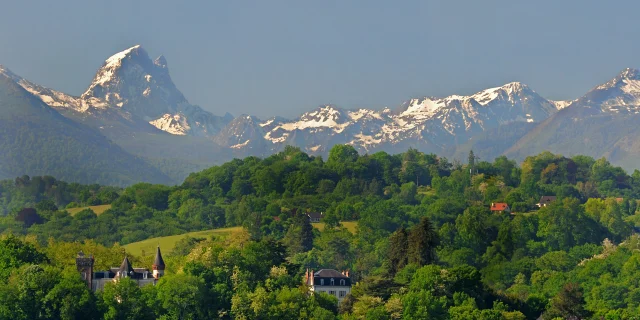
(426, 246)
(36, 140)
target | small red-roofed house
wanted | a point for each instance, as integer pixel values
(500, 207)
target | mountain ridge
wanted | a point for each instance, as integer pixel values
(133, 101)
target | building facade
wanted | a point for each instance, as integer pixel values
(97, 280)
(332, 282)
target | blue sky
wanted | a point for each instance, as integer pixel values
(285, 57)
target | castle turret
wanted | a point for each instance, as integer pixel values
(85, 267)
(158, 265)
(125, 270)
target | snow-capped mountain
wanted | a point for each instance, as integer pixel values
(428, 122)
(243, 133)
(603, 122)
(619, 95)
(130, 87)
(133, 101)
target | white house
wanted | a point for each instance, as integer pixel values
(332, 282)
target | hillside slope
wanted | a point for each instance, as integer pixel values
(602, 123)
(36, 140)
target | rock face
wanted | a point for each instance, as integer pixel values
(427, 123)
(603, 122)
(35, 139)
(133, 91)
(133, 101)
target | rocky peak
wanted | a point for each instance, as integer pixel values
(629, 73)
(161, 62)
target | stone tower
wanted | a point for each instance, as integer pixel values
(158, 265)
(85, 267)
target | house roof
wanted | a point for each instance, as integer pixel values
(315, 215)
(547, 199)
(329, 273)
(125, 267)
(499, 206)
(158, 261)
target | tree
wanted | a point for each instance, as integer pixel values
(568, 304)
(26, 291)
(71, 299)
(182, 296)
(299, 237)
(46, 205)
(423, 240)
(123, 300)
(472, 163)
(15, 252)
(398, 255)
(29, 217)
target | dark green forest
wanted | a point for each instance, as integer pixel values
(426, 246)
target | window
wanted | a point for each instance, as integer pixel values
(342, 282)
(332, 282)
(322, 282)
(333, 293)
(342, 294)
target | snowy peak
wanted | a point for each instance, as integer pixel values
(132, 88)
(625, 76)
(244, 132)
(629, 73)
(509, 92)
(175, 124)
(110, 68)
(618, 95)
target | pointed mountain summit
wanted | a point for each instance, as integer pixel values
(603, 122)
(619, 95)
(66, 149)
(161, 62)
(129, 93)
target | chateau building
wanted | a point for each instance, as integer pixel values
(335, 283)
(96, 280)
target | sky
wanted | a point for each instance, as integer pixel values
(274, 57)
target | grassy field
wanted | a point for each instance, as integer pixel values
(167, 243)
(350, 225)
(97, 209)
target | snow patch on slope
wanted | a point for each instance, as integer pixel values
(174, 124)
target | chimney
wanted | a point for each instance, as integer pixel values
(306, 277)
(311, 277)
(347, 273)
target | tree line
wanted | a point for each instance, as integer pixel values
(426, 244)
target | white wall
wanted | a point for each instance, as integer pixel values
(337, 290)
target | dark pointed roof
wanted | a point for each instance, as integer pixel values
(158, 261)
(125, 267)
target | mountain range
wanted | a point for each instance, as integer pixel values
(134, 119)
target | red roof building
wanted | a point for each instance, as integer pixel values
(500, 207)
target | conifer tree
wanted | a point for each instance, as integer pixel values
(472, 162)
(299, 237)
(398, 243)
(422, 243)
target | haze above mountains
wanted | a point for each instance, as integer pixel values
(133, 124)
